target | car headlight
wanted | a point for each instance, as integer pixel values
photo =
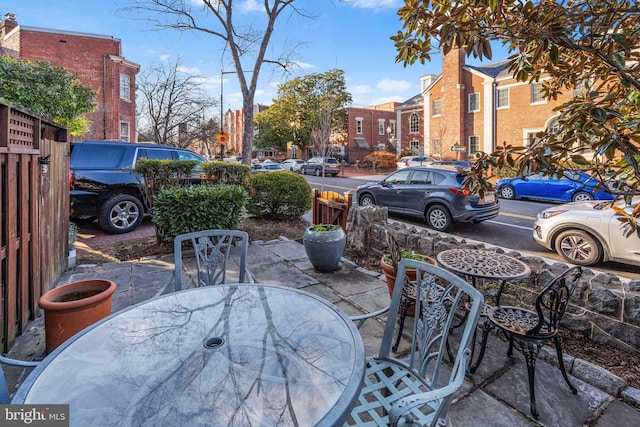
(549, 213)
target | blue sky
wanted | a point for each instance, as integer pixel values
(352, 35)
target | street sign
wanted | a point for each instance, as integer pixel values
(222, 137)
(458, 148)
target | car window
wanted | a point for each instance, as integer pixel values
(397, 178)
(421, 177)
(97, 157)
(186, 155)
(144, 153)
(332, 161)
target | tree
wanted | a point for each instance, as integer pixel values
(590, 47)
(48, 91)
(307, 112)
(174, 104)
(216, 18)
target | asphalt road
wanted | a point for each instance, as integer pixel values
(511, 229)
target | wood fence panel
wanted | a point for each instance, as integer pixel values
(329, 207)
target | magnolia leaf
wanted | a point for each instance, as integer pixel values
(599, 114)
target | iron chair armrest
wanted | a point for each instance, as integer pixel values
(248, 278)
(359, 320)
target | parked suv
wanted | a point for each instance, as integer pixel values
(316, 165)
(104, 184)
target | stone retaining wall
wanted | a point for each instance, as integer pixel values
(603, 306)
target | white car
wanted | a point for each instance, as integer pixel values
(292, 165)
(585, 233)
(408, 161)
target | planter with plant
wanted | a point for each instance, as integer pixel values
(324, 244)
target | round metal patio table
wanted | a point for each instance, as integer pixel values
(229, 355)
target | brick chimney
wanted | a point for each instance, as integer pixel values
(9, 23)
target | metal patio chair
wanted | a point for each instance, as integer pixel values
(5, 396)
(417, 389)
(212, 249)
(529, 330)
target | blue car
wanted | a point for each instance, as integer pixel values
(572, 186)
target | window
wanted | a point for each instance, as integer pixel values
(359, 126)
(392, 127)
(436, 107)
(380, 126)
(502, 98)
(530, 138)
(398, 177)
(474, 102)
(536, 93)
(414, 123)
(436, 147)
(414, 147)
(125, 88)
(474, 144)
(420, 177)
(124, 131)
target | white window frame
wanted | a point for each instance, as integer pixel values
(392, 125)
(536, 94)
(436, 107)
(381, 127)
(503, 101)
(125, 87)
(474, 100)
(125, 136)
(359, 121)
(436, 147)
(473, 144)
(414, 123)
(414, 147)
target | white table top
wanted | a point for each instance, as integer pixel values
(288, 358)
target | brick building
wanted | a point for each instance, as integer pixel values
(369, 129)
(97, 61)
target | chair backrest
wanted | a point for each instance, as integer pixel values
(552, 302)
(212, 250)
(447, 312)
(5, 397)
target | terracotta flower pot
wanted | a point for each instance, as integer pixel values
(72, 307)
(390, 275)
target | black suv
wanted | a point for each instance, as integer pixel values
(104, 184)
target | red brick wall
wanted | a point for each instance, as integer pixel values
(370, 133)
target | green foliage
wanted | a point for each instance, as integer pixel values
(320, 228)
(383, 159)
(227, 173)
(157, 175)
(198, 207)
(279, 195)
(48, 91)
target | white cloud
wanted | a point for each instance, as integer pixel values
(251, 6)
(389, 85)
(359, 89)
(376, 4)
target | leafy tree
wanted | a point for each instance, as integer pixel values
(591, 47)
(307, 112)
(246, 43)
(173, 104)
(48, 91)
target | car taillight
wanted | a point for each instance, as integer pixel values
(70, 180)
(406, 163)
(459, 192)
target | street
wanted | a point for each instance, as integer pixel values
(512, 229)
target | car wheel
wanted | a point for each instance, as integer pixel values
(439, 218)
(318, 172)
(121, 214)
(582, 196)
(366, 200)
(507, 192)
(578, 247)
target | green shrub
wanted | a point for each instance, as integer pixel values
(279, 195)
(158, 175)
(227, 173)
(198, 207)
(383, 159)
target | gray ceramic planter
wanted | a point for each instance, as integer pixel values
(324, 248)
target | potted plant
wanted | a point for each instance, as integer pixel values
(72, 307)
(324, 244)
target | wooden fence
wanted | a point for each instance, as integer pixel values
(330, 207)
(34, 215)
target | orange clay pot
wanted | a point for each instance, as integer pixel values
(390, 275)
(72, 307)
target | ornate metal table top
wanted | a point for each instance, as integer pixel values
(483, 263)
(227, 355)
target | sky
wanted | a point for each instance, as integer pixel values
(351, 35)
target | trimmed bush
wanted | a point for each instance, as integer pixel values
(198, 207)
(156, 175)
(227, 173)
(279, 195)
(383, 159)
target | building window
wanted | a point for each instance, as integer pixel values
(536, 93)
(436, 107)
(380, 126)
(502, 98)
(529, 139)
(474, 144)
(359, 126)
(474, 102)
(392, 128)
(414, 147)
(414, 123)
(124, 131)
(125, 87)
(436, 147)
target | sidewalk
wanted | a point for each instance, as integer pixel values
(497, 395)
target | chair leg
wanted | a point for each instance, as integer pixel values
(486, 327)
(510, 351)
(404, 307)
(530, 352)
(558, 343)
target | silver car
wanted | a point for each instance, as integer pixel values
(586, 233)
(292, 165)
(432, 193)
